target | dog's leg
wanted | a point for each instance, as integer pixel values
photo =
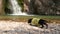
(46, 25)
(41, 25)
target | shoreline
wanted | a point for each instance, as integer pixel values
(12, 27)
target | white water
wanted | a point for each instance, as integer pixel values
(16, 8)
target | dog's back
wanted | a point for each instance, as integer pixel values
(37, 22)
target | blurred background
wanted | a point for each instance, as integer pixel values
(46, 9)
(11, 7)
(36, 7)
(43, 7)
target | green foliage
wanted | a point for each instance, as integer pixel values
(20, 2)
(6, 3)
(25, 18)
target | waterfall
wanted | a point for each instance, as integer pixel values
(16, 8)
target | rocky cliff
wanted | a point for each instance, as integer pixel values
(26, 5)
(44, 7)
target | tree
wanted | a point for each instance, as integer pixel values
(1, 8)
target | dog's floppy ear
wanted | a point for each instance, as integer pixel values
(30, 20)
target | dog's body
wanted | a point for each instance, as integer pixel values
(37, 22)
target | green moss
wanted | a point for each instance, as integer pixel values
(5, 4)
(20, 2)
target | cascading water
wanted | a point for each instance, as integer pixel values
(16, 8)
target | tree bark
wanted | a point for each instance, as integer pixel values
(1, 7)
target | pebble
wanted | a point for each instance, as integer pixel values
(11, 27)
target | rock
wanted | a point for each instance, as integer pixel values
(43, 7)
(11, 27)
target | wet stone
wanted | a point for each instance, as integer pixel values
(22, 28)
(46, 32)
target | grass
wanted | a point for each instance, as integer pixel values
(25, 18)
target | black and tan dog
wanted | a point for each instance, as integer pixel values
(41, 22)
